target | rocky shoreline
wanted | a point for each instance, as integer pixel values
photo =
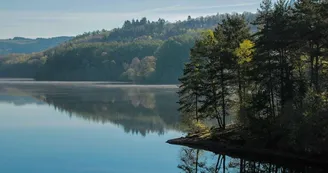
(250, 153)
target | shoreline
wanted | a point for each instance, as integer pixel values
(250, 153)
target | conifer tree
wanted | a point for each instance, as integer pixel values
(191, 87)
(213, 104)
(235, 31)
(311, 19)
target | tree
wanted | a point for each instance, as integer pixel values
(310, 17)
(223, 67)
(171, 57)
(279, 80)
(214, 55)
(190, 92)
(245, 54)
(235, 31)
(215, 79)
(264, 83)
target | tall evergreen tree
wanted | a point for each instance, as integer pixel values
(190, 92)
(274, 82)
(311, 17)
(235, 31)
(214, 97)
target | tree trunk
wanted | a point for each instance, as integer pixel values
(223, 98)
(244, 84)
(271, 90)
(311, 70)
(240, 88)
(218, 117)
(197, 107)
(282, 86)
(317, 87)
(316, 67)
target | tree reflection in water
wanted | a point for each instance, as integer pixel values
(138, 110)
(141, 111)
(198, 161)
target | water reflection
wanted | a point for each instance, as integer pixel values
(198, 161)
(137, 110)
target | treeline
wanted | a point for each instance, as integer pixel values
(140, 51)
(93, 61)
(21, 65)
(136, 29)
(162, 29)
(275, 80)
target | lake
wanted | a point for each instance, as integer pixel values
(87, 127)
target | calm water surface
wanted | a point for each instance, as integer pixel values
(94, 127)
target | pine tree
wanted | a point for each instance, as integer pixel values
(311, 17)
(235, 31)
(272, 58)
(191, 87)
(213, 107)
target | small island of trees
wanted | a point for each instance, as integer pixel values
(275, 81)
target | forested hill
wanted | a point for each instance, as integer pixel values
(26, 45)
(140, 51)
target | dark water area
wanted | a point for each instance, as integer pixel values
(85, 127)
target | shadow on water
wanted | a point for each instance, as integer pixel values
(199, 161)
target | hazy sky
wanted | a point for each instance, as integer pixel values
(48, 18)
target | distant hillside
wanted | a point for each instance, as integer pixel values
(140, 51)
(140, 29)
(26, 45)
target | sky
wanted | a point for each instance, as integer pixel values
(50, 18)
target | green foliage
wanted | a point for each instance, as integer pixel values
(140, 70)
(171, 57)
(288, 75)
(162, 29)
(103, 55)
(207, 78)
(27, 65)
(245, 52)
(15, 60)
(93, 61)
(278, 82)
